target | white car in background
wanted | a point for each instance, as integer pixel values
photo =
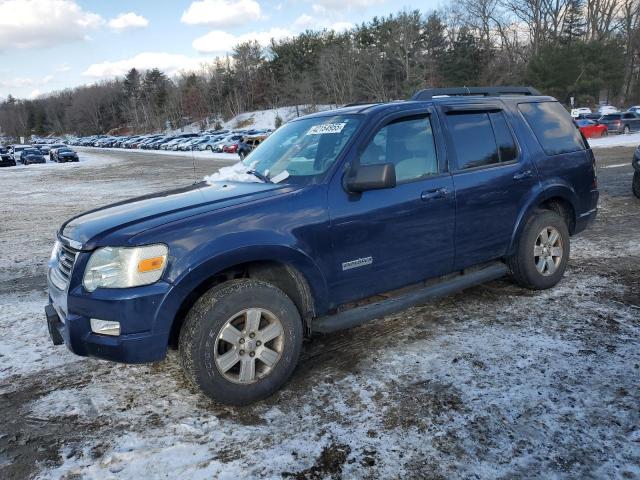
(607, 109)
(576, 112)
(635, 109)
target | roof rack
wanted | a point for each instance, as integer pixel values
(429, 93)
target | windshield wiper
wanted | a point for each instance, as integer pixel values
(262, 177)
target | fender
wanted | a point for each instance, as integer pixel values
(551, 188)
(191, 278)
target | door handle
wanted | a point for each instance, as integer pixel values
(522, 175)
(435, 193)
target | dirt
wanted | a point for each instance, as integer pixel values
(495, 382)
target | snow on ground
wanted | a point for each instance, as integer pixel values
(631, 140)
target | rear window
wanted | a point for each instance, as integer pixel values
(612, 116)
(553, 127)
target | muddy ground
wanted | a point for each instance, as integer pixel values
(495, 382)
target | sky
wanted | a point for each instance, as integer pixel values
(48, 45)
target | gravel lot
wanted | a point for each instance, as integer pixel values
(495, 382)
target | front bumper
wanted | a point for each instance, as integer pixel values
(137, 309)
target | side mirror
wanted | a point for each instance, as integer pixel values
(371, 177)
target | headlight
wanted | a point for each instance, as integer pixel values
(120, 267)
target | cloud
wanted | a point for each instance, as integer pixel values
(34, 94)
(63, 67)
(169, 63)
(220, 42)
(43, 23)
(221, 13)
(22, 82)
(321, 6)
(126, 21)
(307, 22)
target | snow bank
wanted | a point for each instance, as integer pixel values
(631, 140)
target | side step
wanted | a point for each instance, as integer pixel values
(359, 315)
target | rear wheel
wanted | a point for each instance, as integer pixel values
(542, 251)
(636, 184)
(626, 130)
(605, 133)
(241, 341)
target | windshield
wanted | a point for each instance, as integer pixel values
(615, 116)
(304, 149)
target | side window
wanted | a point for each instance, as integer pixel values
(473, 139)
(506, 144)
(408, 143)
(553, 127)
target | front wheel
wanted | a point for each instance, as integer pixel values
(636, 184)
(626, 130)
(241, 341)
(542, 251)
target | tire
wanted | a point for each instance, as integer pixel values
(241, 155)
(210, 148)
(222, 309)
(605, 133)
(636, 184)
(525, 264)
(626, 130)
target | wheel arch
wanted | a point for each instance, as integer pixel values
(559, 198)
(288, 269)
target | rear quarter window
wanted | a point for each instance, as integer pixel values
(553, 127)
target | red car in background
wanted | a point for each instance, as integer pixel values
(591, 129)
(231, 147)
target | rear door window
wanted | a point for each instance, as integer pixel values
(553, 127)
(481, 139)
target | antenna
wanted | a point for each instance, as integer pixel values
(193, 161)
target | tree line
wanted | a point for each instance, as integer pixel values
(586, 49)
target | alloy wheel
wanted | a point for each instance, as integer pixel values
(548, 251)
(249, 346)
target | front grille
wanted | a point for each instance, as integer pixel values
(66, 259)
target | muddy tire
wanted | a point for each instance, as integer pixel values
(636, 184)
(241, 341)
(542, 251)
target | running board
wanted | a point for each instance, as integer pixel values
(359, 315)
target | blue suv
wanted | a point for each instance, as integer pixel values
(415, 198)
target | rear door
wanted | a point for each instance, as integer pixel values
(386, 239)
(491, 177)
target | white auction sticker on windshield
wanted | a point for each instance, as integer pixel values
(326, 128)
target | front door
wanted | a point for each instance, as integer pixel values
(389, 238)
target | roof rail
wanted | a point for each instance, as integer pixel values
(429, 93)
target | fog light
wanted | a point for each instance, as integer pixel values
(105, 327)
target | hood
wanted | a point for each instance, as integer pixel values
(142, 213)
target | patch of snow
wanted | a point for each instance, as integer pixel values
(233, 173)
(633, 140)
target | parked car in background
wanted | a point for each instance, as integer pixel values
(31, 155)
(248, 144)
(46, 149)
(6, 159)
(606, 109)
(592, 129)
(624, 122)
(578, 112)
(228, 140)
(64, 154)
(16, 150)
(634, 109)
